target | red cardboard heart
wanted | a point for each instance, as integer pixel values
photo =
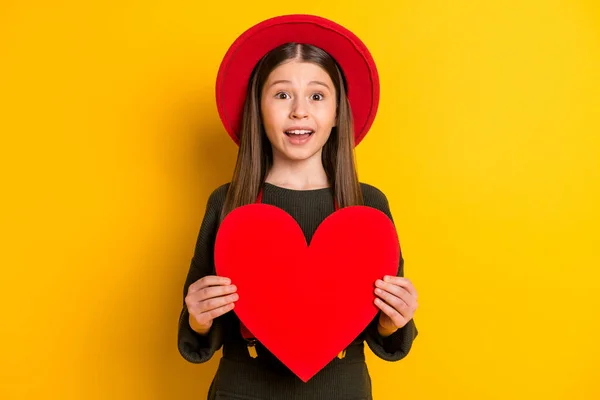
(306, 303)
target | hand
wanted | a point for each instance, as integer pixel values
(397, 299)
(207, 299)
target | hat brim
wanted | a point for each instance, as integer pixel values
(345, 47)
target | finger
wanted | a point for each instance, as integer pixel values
(209, 280)
(402, 282)
(397, 318)
(216, 302)
(208, 316)
(395, 302)
(195, 301)
(213, 291)
(398, 292)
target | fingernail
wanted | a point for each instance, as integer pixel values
(233, 287)
(386, 278)
(378, 282)
(378, 291)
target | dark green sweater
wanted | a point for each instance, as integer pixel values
(241, 377)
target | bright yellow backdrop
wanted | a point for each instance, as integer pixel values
(486, 143)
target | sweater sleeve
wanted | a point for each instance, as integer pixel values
(192, 346)
(397, 345)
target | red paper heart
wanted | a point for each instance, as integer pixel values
(306, 303)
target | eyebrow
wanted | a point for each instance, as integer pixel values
(310, 83)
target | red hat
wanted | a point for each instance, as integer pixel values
(351, 54)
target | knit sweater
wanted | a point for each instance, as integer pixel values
(240, 376)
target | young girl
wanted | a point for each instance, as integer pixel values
(296, 110)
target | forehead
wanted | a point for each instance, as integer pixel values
(299, 72)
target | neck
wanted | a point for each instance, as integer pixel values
(298, 174)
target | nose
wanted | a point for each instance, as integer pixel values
(299, 109)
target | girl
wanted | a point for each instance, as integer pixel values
(297, 110)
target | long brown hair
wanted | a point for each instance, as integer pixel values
(255, 155)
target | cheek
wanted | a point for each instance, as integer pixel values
(271, 113)
(327, 116)
(271, 121)
(264, 111)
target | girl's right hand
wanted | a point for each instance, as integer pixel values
(207, 299)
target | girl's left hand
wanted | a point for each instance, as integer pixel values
(397, 300)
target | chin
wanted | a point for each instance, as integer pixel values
(299, 154)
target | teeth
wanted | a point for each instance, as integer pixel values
(298, 132)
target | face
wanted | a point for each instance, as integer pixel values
(298, 110)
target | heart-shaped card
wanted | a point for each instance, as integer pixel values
(306, 303)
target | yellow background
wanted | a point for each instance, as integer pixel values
(486, 144)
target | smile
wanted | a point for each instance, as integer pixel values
(299, 136)
(299, 132)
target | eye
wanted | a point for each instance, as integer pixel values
(319, 96)
(279, 94)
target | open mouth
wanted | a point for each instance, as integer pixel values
(299, 136)
(299, 133)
